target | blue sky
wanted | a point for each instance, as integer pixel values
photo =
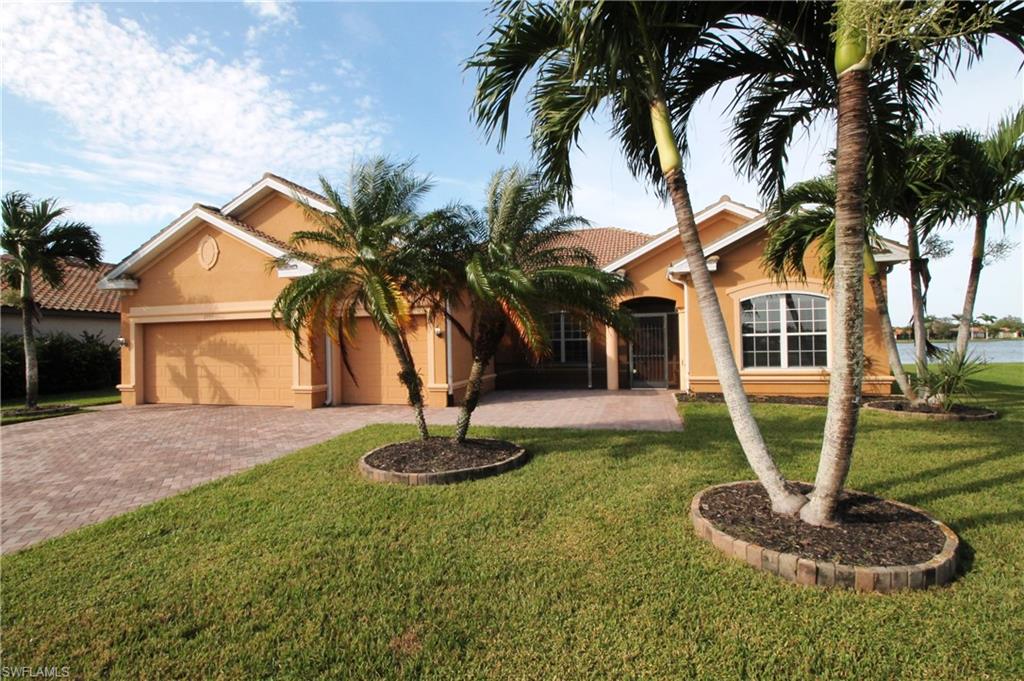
(132, 112)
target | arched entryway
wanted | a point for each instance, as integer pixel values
(651, 356)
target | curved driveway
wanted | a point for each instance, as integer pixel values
(62, 473)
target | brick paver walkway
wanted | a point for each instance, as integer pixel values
(60, 474)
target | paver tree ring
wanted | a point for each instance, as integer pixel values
(934, 557)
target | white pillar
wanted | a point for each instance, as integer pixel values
(611, 357)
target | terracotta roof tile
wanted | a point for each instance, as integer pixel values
(608, 244)
(298, 187)
(259, 234)
(79, 293)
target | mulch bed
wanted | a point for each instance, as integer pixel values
(956, 411)
(872, 531)
(42, 411)
(439, 454)
(765, 399)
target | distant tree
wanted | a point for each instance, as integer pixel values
(38, 242)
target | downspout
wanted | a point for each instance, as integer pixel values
(449, 372)
(590, 365)
(329, 368)
(684, 378)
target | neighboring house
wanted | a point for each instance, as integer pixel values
(76, 307)
(197, 298)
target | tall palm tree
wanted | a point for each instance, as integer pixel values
(803, 219)
(979, 177)
(367, 253)
(518, 274)
(628, 57)
(38, 242)
(873, 65)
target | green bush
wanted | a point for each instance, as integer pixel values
(66, 363)
(950, 379)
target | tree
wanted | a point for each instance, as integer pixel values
(628, 57)
(979, 178)
(873, 64)
(38, 242)
(368, 258)
(518, 274)
(804, 218)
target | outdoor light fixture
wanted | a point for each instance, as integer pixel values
(438, 331)
(122, 342)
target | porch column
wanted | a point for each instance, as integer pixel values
(684, 371)
(611, 357)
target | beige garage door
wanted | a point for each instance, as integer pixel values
(230, 362)
(376, 368)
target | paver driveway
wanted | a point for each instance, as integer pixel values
(63, 473)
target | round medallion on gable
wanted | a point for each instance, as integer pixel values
(208, 252)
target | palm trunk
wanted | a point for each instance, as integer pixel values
(963, 334)
(485, 345)
(917, 301)
(784, 501)
(28, 337)
(848, 300)
(411, 380)
(888, 336)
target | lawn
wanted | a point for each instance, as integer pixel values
(87, 398)
(580, 564)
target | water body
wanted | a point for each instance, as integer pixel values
(992, 351)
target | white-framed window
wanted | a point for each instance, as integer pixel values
(568, 339)
(784, 331)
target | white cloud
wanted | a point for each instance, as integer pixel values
(168, 118)
(275, 11)
(121, 213)
(317, 88)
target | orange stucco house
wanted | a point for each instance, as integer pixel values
(196, 323)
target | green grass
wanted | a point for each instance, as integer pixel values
(582, 564)
(87, 398)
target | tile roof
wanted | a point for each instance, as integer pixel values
(79, 293)
(608, 244)
(259, 234)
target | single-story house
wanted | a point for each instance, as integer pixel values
(79, 306)
(196, 315)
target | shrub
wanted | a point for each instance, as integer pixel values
(66, 363)
(950, 379)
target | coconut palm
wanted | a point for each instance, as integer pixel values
(519, 274)
(873, 65)
(369, 258)
(38, 242)
(802, 220)
(626, 58)
(979, 177)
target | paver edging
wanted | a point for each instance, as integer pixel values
(517, 459)
(940, 570)
(987, 415)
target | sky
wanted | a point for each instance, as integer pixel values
(132, 112)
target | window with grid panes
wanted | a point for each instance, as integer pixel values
(568, 339)
(784, 330)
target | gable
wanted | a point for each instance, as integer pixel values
(191, 272)
(278, 216)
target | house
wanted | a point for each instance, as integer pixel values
(79, 306)
(196, 305)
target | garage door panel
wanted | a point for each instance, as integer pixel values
(231, 362)
(376, 367)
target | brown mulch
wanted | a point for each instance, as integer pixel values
(439, 454)
(871, 531)
(905, 406)
(764, 399)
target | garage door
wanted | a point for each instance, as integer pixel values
(230, 362)
(376, 368)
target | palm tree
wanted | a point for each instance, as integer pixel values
(38, 242)
(873, 64)
(979, 177)
(804, 217)
(518, 274)
(627, 57)
(367, 253)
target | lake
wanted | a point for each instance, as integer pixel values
(992, 351)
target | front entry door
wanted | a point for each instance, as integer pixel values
(648, 353)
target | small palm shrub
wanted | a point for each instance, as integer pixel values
(950, 380)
